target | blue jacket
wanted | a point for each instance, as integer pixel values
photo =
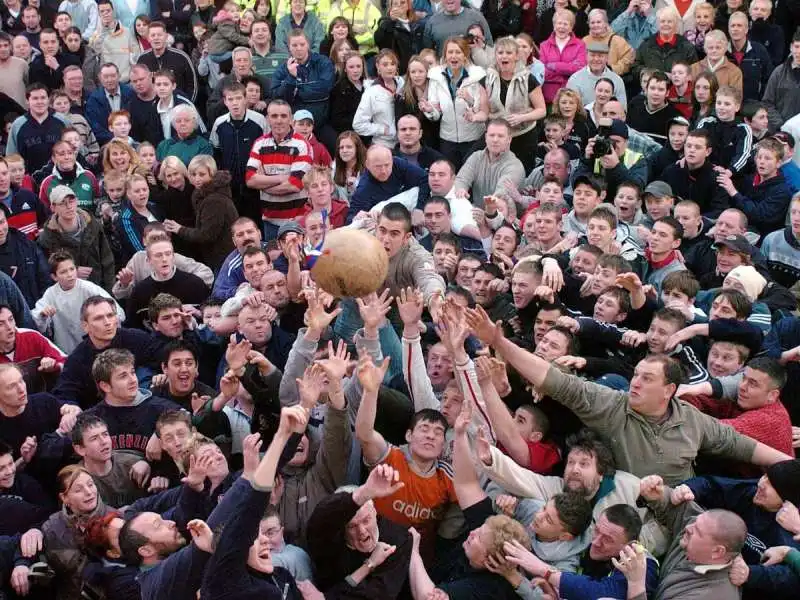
(614, 585)
(785, 335)
(371, 191)
(765, 204)
(11, 296)
(76, 384)
(34, 140)
(311, 88)
(756, 68)
(232, 144)
(775, 582)
(230, 277)
(24, 262)
(98, 109)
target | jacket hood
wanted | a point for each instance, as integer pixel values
(52, 222)
(141, 397)
(474, 74)
(220, 183)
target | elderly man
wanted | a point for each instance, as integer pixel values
(487, 172)
(621, 54)
(764, 31)
(750, 56)
(627, 417)
(348, 541)
(109, 97)
(386, 178)
(583, 81)
(556, 164)
(160, 56)
(242, 59)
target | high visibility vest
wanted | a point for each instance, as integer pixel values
(362, 14)
(629, 159)
(283, 8)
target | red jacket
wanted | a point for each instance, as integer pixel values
(31, 345)
(560, 64)
(337, 216)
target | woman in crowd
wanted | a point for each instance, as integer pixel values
(545, 28)
(347, 91)
(214, 213)
(375, 116)
(666, 47)
(174, 198)
(339, 52)
(400, 31)
(64, 531)
(348, 166)
(135, 215)
(705, 95)
(515, 95)
(121, 158)
(563, 53)
(338, 29)
(458, 100)
(187, 141)
(529, 55)
(415, 99)
(567, 104)
(141, 30)
(603, 92)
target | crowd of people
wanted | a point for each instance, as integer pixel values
(574, 381)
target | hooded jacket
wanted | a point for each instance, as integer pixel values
(375, 115)
(214, 213)
(449, 109)
(91, 249)
(23, 261)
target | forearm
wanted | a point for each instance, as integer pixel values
(259, 181)
(764, 456)
(531, 367)
(360, 574)
(284, 188)
(420, 581)
(504, 427)
(264, 475)
(294, 283)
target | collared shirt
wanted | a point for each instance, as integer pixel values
(164, 115)
(115, 99)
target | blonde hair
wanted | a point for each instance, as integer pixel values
(564, 14)
(197, 441)
(572, 94)
(706, 6)
(508, 42)
(171, 162)
(133, 179)
(203, 161)
(502, 530)
(14, 158)
(315, 173)
(715, 35)
(119, 145)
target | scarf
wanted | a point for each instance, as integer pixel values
(660, 264)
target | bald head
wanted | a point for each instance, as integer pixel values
(379, 162)
(729, 530)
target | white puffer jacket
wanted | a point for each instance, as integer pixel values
(375, 112)
(454, 128)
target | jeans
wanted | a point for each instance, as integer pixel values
(614, 381)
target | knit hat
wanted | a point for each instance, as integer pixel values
(785, 478)
(751, 280)
(619, 128)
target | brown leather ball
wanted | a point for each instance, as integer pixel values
(352, 264)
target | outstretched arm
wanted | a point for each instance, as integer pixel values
(373, 445)
(465, 479)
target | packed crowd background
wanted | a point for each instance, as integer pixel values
(575, 382)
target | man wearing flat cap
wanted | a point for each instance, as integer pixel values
(619, 164)
(583, 81)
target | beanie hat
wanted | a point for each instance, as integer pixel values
(752, 281)
(785, 478)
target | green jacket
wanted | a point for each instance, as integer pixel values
(668, 449)
(186, 149)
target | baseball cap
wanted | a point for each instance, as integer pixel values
(679, 121)
(618, 128)
(737, 243)
(60, 193)
(303, 114)
(659, 189)
(289, 227)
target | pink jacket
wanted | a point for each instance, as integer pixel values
(559, 65)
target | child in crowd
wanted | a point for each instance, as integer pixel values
(110, 203)
(147, 156)
(119, 124)
(756, 116)
(292, 558)
(227, 34)
(672, 151)
(555, 136)
(89, 145)
(679, 94)
(733, 139)
(304, 125)
(16, 171)
(59, 307)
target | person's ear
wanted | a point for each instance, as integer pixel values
(104, 387)
(535, 436)
(773, 395)
(53, 277)
(409, 433)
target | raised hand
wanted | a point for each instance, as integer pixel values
(483, 447)
(651, 488)
(632, 563)
(788, 517)
(229, 384)
(369, 374)
(552, 276)
(681, 494)
(201, 533)
(517, 554)
(236, 354)
(507, 504)
(452, 328)
(337, 363)
(571, 362)
(483, 328)
(28, 449)
(294, 419)
(383, 481)
(381, 552)
(410, 305)
(251, 448)
(310, 386)
(775, 555)
(139, 473)
(464, 418)
(261, 362)
(373, 309)
(316, 318)
(198, 471)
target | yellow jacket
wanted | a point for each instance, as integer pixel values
(362, 14)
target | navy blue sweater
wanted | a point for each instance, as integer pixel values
(404, 176)
(24, 505)
(227, 574)
(76, 384)
(613, 585)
